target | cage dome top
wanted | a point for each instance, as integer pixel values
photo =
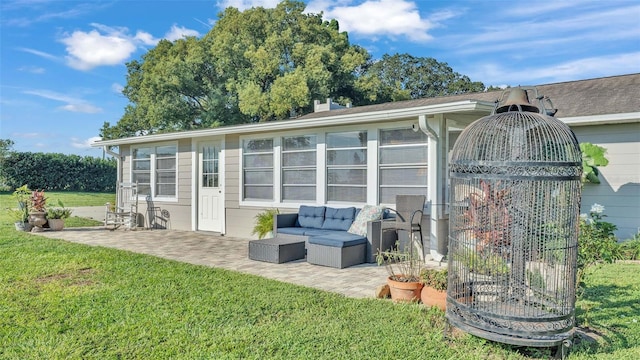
(518, 131)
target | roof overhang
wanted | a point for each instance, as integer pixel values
(465, 106)
(602, 119)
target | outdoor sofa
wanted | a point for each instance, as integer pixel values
(336, 237)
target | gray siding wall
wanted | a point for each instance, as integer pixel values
(180, 210)
(619, 191)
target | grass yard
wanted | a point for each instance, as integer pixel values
(69, 198)
(61, 300)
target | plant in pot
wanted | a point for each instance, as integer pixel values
(21, 215)
(37, 211)
(404, 268)
(264, 223)
(434, 291)
(56, 216)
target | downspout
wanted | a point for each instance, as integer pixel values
(118, 157)
(436, 183)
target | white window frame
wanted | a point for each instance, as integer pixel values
(275, 170)
(363, 167)
(372, 171)
(419, 165)
(153, 171)
(313, 167)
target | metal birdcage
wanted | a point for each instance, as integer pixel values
(513, 227)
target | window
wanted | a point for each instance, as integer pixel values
(257, 163)
(402, 164)
(154, 169)
(141, 170)
(165, 171)
(347, 166)
(299, 167)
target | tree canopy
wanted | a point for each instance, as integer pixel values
(264, 65)
(403, 77)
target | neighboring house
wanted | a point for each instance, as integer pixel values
(219, 179)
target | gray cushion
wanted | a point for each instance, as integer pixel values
(310, 216)
(340, 240)
(338, 219)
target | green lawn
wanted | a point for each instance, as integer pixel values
(60, 300)
(69, 198)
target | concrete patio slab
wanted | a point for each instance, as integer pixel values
(211, 249)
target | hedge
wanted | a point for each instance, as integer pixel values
(52, 171)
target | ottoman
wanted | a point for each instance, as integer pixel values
(276, 250)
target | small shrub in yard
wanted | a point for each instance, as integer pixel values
(630, 249)
(596, 242)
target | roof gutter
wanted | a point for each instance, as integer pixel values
(602, 119)
(357, 118)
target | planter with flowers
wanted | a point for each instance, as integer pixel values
(56, 216)
(434, 291)
(37, 211)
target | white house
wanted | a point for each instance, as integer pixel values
(218, 179)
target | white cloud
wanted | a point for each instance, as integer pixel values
(72, 104)
(145, 38)
(247, 4)
(32, 69)
(117, 88)
(106, 45)
(42, 54)
(84, 144)
(81, 108)
(91, 49)
(585, 68)
(392, 18)
(177, 32)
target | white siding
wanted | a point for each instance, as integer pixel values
(619, 191)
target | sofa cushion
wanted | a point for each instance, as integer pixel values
(338, 219)
(341, 240)
(310, 216)
(368, 213)
(292, 231)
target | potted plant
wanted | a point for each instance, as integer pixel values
(56, 216)
(404, 268)
(37, 210)
(264, 223)
(434, 290)
(21, 215)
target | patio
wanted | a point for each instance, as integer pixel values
(210, 249)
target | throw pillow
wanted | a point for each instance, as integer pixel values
(368, 213)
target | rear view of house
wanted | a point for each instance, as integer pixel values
(218, 179)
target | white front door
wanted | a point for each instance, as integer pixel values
(210, 197)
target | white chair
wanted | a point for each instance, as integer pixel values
(125, 210)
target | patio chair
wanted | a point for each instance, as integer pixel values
(157, 218)
(409, 211)
(125, 210)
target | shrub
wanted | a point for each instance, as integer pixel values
(596, 241)
(630, 249)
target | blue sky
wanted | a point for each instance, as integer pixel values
(63, 62)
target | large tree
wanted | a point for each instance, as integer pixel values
(403, 76)
(263, 65)
(256, 65)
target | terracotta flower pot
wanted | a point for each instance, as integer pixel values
(404, 291)
(432, 297)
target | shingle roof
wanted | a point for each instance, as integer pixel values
(607, 95)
